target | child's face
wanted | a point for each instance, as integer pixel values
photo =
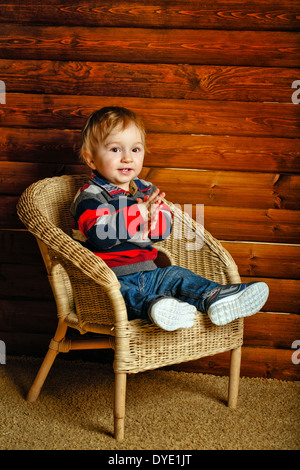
(120, 157)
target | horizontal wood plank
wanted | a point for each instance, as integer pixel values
(170, 81)
(252, 259)
(225, 223)
(41, 145)
(220, 188)
(18, 176)
(224, 152)
(266, 259)
(256, 362)
(266, 340)
(138, 45)
(166, 150)
(271, 225)
(284, 294)
(9, 218)
(26, 343)
(271, 330)
(31, 282)
(268, 330)
(263, 330)
(19, 281)
(172, 116)
(28, 316)
(19, 247)
(235, 189)
(221, 14)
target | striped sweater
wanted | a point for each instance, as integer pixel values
(107, 221)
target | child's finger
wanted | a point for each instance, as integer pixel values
(159, 198)
(152, 197)
(145, 231)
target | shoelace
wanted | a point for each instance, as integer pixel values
(210, 293)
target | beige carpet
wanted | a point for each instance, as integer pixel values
(166, 410)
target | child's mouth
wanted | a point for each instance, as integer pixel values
(125, 171)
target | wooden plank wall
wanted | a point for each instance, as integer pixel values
(213, 82)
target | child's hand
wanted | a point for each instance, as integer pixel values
(149, 208)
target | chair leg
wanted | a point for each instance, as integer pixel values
(234, 377)
(46, 364)
(119, 405)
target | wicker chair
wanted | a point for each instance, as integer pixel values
(88, 298)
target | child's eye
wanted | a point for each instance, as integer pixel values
(115, 149)
(136, 149)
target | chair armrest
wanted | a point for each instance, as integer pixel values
(61, 243)
(205, 256)
(96, 288)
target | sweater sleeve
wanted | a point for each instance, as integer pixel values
(108, 224)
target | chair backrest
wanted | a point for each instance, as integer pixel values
(50, 199)
(55, 197)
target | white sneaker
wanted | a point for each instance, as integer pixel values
(171, 314)
(227, 303)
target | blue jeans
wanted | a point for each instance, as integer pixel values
(140, 290)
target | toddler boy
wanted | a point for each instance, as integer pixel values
(120, 218)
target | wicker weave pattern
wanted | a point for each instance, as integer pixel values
(151, 348)
(212, 261)
(87, 291)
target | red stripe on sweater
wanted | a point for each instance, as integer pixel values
(121, 258)
(89, 217)
(132, 216)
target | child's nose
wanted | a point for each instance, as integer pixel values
(127, 157)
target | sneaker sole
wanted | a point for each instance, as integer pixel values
(243, 304)
(171, 315)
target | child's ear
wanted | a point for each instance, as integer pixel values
(89, 160)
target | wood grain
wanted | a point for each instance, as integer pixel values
(263, 154)
(213, 83)
(225, 223)
(271, 225)
(220, 188)
(172, 116)
(271, 330)
(256, 362)
(220, 14)
(171, 81)
(137, 45)
(267, 330)
(224, 188)
(284, 294)
(266, 260)
(31, 282)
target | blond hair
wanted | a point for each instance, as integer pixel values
(102, 122)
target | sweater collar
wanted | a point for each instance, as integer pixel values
(135, 185)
